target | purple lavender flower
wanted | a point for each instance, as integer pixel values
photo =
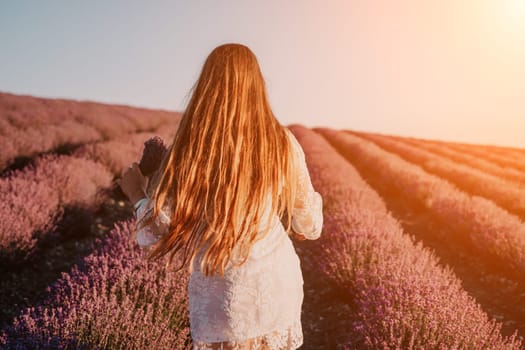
(403, 298)
(154, 150)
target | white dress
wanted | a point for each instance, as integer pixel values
(258, 304)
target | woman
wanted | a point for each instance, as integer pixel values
(230, 176)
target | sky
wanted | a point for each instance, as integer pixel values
(439, 69)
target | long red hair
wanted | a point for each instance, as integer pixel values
(229, 153)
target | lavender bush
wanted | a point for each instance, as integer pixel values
(115, 299)
(491, 230)
(481, 164)
(509, 195)
(118, 153)
(34, 198)
(114, 154)
(31, 141)
(518, 153)
(403, 298)
(515, 160)
(35, 125)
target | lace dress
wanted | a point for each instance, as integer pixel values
(258, 304)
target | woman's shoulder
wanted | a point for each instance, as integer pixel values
(291, 137)
(288, 132)
(296, 146)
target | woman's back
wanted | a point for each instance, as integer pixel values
(259, 301)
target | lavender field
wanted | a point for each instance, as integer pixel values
(423, 243)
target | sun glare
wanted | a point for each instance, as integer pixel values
(514, 12)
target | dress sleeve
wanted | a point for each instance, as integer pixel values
(307, 214)
(150, 234)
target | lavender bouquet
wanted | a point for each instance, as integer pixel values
(154, 151)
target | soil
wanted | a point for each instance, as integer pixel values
(327, 312)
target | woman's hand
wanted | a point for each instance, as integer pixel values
(133, 183)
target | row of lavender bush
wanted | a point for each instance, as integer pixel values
(512, 152)
(34, 197)
(403, 298)
(514, 159)
(507, 194)
(115, 299)
(119, 152)
(31, 125)
(494, 232)
(479, 163)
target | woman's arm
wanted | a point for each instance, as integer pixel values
(133, 183)
(135, 186)
(150, 234)
(307, 214)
